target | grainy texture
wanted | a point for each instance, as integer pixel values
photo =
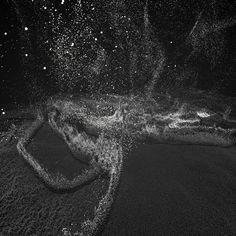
(176, 190)
(28, 207)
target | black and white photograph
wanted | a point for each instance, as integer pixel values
(117, 118)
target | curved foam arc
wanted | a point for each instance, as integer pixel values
(90, 228)
(104, 149)
(59, 181)
(113, 164)
(75, 140)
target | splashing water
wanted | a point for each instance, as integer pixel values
(140, 118)
(80, 59)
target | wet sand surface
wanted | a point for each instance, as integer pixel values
(176, 190)
(27, 206)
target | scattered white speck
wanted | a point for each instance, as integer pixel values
(2, 109)
(116, 46)
(171, 42)
(72, 44)
(3, 113)
(45, 8)
(95, 39)
(62, 2)
(5, 33)
(26, 28)
(175, 66)
(45, 68)
(93, 8)
(203, 114)
(26, 54)
(101, 32)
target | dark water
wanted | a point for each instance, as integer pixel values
(176, 190)
(52, 152)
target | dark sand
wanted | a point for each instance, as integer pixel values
(27, 206)
(165, 190)
(176, 190)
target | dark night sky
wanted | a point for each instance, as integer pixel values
(10, 72)
(173, 23)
